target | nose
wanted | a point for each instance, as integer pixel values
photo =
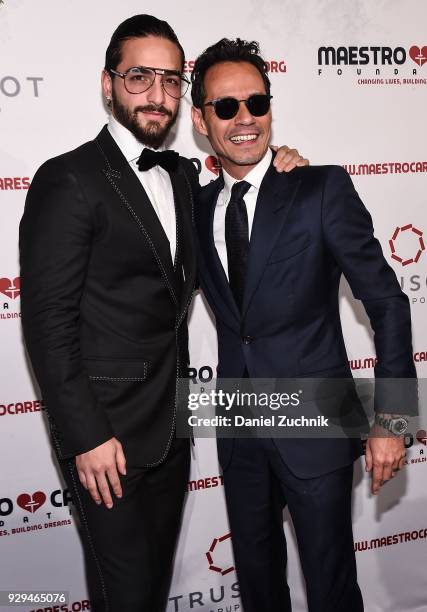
(243, 116)
(156, 93)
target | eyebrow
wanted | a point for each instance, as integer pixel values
(164, 70)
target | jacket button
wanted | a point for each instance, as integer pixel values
(247, 339)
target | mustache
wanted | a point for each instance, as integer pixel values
(153, 108)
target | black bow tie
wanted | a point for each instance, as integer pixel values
(166, 159)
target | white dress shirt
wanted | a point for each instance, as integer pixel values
(156, 181)
(254, 177)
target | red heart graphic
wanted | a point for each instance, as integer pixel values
(10, 289)
(418, 55)
(422, 437)
(31, 503)
(212, 163)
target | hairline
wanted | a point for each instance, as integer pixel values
(136, 37)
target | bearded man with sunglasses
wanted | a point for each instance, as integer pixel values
(272, 250)
(108, 268)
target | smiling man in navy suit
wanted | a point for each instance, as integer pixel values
(273, 249)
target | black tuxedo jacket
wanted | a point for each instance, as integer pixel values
(309, 228)
(103, 307)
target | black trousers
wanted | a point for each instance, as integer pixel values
(129, 549)
(258, 485)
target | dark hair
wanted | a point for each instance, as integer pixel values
(138, 26)
(225, 50)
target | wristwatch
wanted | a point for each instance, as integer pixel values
(396, 425)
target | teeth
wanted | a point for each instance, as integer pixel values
(243, 137)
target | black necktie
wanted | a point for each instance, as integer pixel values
(166, 159)
(237, 240)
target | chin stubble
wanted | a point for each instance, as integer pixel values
(152, 135)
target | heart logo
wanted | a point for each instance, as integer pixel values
(422, 437)
(31, 503)
(418, 54)
(10, 289)
(212, 163)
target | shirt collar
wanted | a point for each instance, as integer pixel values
(254, 177)
(126, 141)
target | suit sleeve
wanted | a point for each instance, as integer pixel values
(349, 234)
(55, 242)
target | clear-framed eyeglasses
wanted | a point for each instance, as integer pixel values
(140, 78)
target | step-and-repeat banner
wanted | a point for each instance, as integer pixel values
(349, 79)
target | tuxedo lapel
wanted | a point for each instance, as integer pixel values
(132, 195)
(185, 235)
(275, 198)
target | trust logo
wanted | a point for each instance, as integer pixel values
(407, 244)
(10, 288)
(218, 555)
(418, 54)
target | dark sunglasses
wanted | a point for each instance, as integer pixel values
(227, 108)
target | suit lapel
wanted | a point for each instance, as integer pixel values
(275, 198)
(125, 183)
(220, 285)
(185, 235)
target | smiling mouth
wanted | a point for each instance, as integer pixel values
(243, 138)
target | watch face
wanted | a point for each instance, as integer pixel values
(399, 426)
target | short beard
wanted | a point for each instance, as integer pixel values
(152, 135)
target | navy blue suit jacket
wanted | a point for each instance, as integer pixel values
(310, 227)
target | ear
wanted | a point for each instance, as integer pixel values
(107, 84)
(198, 121)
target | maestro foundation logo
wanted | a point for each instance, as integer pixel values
(407, 244)
(31, 503)
(418, 54)
(375, 64)
(11, 288)
(40, 510)
(213, 164)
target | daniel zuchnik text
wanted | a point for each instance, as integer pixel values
(238, 420)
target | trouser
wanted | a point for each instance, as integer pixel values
(258, 485)
(129, 549)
